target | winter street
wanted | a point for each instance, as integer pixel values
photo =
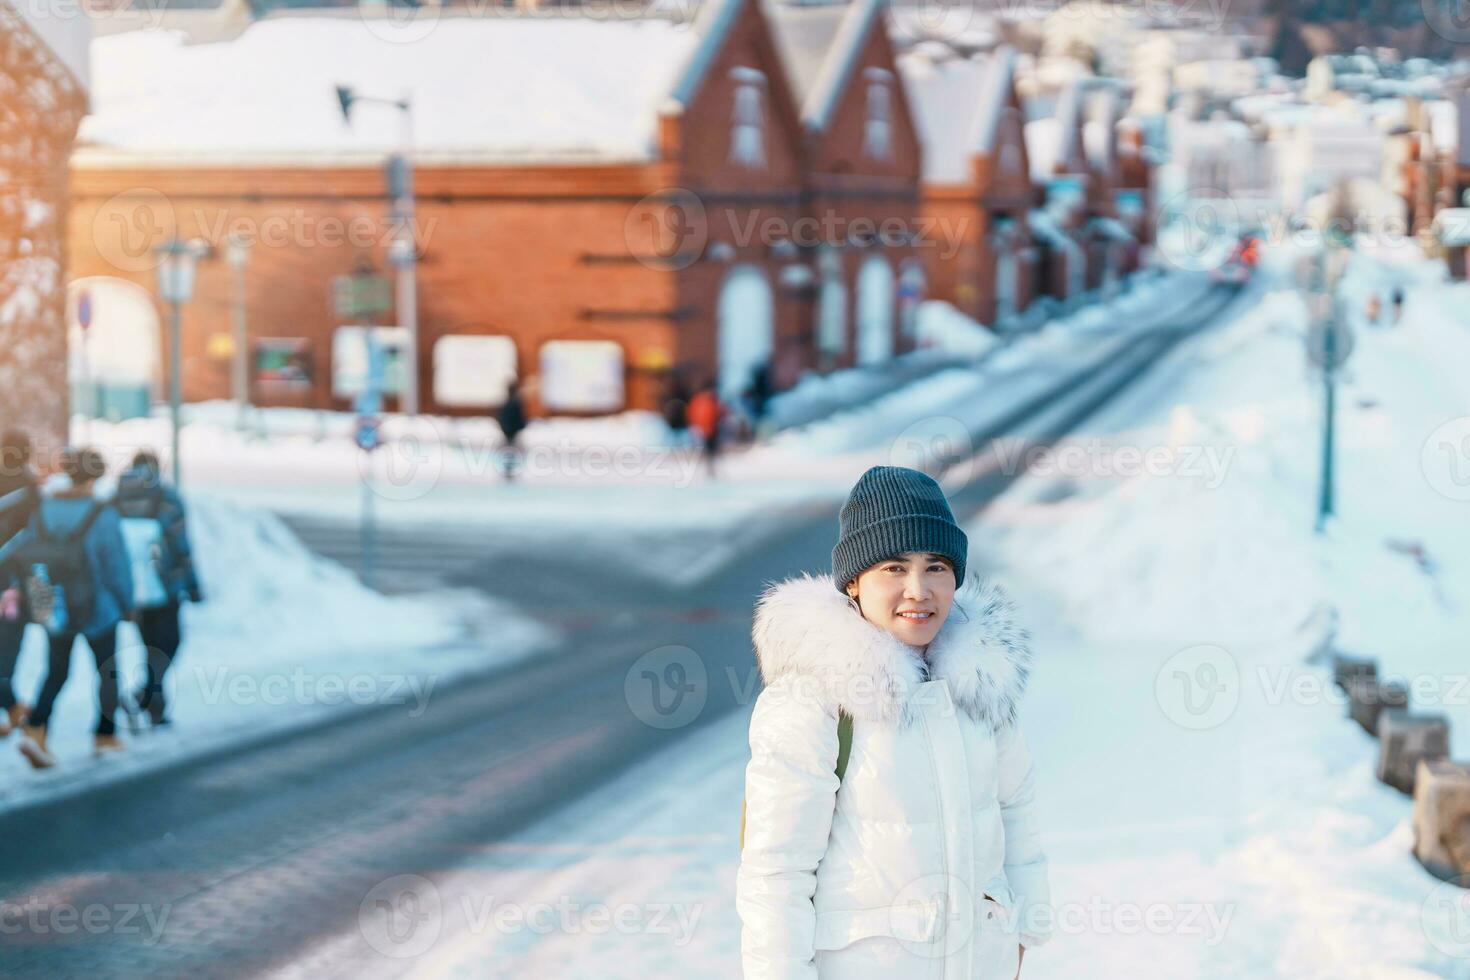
(751, 489)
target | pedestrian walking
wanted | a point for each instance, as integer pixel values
(904, 681)
(19, 497)
(707, 419)
(78, 584)
(512, 419)
(155, 529)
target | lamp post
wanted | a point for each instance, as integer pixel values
(175, 285)
(403, 252)
(237, 255)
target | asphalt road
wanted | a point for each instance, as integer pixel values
(240, 865)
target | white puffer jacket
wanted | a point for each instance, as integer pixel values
(924, 862)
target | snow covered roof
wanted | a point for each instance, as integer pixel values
(503, 88)
(957, 103)
(62, 27)
(820, 45)
(1043, 143)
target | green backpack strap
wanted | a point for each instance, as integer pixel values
(844, 749)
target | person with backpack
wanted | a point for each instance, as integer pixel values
(891, 826)
(156, 533)
(19, 497)
(78, 583)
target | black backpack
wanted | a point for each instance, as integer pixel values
(58, 577)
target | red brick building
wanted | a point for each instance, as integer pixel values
(42, 100)
(978, 192)
(599, 204)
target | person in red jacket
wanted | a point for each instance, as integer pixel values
(706, 416)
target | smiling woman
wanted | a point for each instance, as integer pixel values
(890, 826)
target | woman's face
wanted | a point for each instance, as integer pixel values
(909, 596)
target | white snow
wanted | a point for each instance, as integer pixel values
(1243, 836)
(597, 86)
(282, 639)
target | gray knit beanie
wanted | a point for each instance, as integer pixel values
(892, 510)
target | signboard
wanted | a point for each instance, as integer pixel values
(361, 296)
(473, 371)
(350, 359)
(283, 363)
(582, 376)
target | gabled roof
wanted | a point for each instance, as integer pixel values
(958, 104)
(820, 45)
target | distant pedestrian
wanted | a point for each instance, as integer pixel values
(1398, 303)
(676, 408)
(760, 393)
(157, 537)
(78, 583)
(512, 419)
(707, 419)
(19, 497)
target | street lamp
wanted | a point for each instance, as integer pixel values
(175, 285)
(237, 255)
(403, 253)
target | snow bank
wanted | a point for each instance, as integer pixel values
(282, 638)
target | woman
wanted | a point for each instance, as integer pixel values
(143, 496)
(922, 860)
(74, 514)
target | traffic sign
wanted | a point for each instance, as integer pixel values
(1329, 343)
(358, 295)
(369, 433)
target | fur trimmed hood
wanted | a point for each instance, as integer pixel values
(805, 628)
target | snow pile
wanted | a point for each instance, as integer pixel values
(942, 326)
(1186, 841)
(282, 638)
(1194, 758)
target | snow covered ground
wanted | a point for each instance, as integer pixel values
(1209, 811)
(282, 639)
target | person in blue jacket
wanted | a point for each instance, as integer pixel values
(142, 495)
(60, 514)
